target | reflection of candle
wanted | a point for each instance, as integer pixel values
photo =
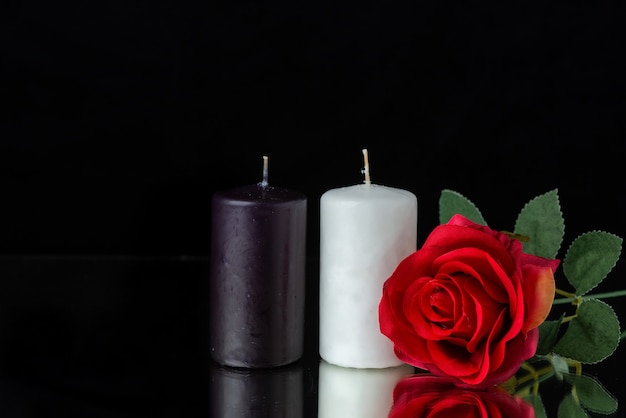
(257, 285)
(350, 392)
(365, 231)
(254, 393)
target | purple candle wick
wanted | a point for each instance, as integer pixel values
(264, 182)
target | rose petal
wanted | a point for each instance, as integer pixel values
(539, 288)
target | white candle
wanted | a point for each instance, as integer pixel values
(349, 392)
(365, 231)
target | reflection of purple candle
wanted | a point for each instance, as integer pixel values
(257, 286)
(246, 393)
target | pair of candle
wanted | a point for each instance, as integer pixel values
(258, 266)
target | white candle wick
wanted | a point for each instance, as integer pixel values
(366, 168)
(264, 182)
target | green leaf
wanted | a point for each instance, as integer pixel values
(537, 403)
(592, 335)
(590, 258)
(548, 331)
(569, 408)
(559, 365)
(452, 203)
(592, 395)
(542, 221)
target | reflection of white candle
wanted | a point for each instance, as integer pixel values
(365, 231)
(349, 392)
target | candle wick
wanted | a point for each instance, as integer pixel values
(366, 168)
(264, 182)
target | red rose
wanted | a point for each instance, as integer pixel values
(438, 397)
(467, 304)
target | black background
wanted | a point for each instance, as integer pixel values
(120, 119)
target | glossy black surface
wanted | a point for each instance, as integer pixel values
(89, 336)
(114, 336)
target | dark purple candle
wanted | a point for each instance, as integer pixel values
(257, 283)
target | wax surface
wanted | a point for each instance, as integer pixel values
(365, 231)
(257, 283)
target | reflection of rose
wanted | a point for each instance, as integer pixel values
(467, 304)
(438, 397)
